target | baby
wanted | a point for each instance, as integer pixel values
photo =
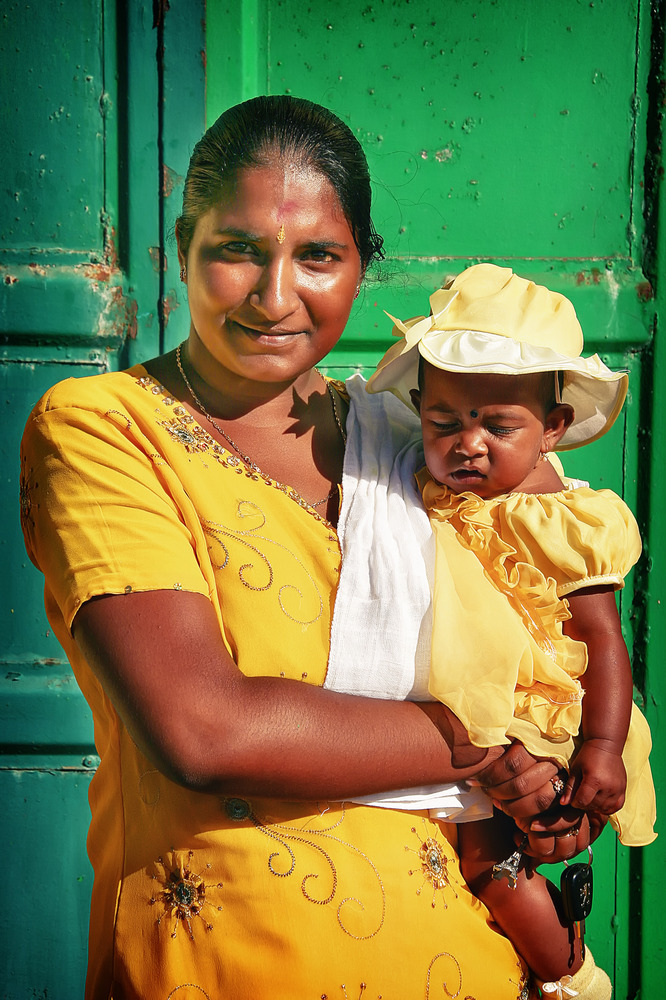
(496, 375)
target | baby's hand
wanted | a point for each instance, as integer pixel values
(597, 779)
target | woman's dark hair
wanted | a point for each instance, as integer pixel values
(264, 130)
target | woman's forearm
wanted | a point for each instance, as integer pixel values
(161, 660)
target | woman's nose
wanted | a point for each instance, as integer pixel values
(275, 295)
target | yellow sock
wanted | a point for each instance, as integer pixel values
(589, 983)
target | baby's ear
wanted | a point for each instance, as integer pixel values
(415, 397)
(556, 423)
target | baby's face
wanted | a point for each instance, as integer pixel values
(482, 434)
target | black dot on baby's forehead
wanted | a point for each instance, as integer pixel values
(473, 413)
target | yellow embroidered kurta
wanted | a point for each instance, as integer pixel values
(201, 895)
(519, 676)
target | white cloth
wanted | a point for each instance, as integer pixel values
(380, 636)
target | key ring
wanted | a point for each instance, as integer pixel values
(589, 854)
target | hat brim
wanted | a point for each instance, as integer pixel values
(594, 391)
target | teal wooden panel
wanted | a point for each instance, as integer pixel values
(48, 880)
(51, 117)
(26, 636)
(82, 241)
(184, 122)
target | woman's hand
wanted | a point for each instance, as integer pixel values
(518, 783)
(560, 835)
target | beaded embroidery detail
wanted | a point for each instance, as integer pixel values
(188, 986)
(283, 862)
(258, 574)
(182, 894)
(182, 427)
(434, 867)
(445, 984)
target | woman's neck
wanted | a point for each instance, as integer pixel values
(230, 396)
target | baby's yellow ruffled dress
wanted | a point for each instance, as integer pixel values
(519, 677)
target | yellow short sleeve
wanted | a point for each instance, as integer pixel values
(99, 513)
(580, 538)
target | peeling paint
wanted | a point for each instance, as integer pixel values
(170, 180)
(118, 318)
(98, 272)
(169, 303)
(158, 258)
(644, 291)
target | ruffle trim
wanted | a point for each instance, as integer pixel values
(551, 696)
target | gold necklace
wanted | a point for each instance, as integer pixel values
(248, 461)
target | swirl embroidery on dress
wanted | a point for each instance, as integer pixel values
(290, 597)
(434, 867)
(285, 836)
(188, 986)
(182, 427)
(182, 893)
(362, 989)
(445, 984)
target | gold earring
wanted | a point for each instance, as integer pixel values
(280, 236)
(183, 273)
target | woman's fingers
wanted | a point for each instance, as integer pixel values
(516, 768)
(555, 844)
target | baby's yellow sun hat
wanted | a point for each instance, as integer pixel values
(491, 321)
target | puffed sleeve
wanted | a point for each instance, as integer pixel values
(100, 514)
(580, 538)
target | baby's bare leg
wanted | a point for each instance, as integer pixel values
(531, 914)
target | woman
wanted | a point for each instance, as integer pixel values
(183, 514)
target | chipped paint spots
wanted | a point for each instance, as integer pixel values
(118, 318)
(158, 258)
(169, 303)
(170, 180)
(97, 272)
(10, 279)
(644, 291)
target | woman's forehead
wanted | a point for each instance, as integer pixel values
(279, 192)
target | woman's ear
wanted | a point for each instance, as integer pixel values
(182, 260)
(556, 423)
(415, 396)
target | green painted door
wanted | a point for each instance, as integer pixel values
(521, 132)
(527, 134)
(101, 104)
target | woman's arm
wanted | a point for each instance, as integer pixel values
(598, 777)
(160, 657)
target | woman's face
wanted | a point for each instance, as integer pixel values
(272, 271)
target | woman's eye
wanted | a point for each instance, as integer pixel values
(445, 428)
(319, 256)
(501, 431)
(238, 249)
